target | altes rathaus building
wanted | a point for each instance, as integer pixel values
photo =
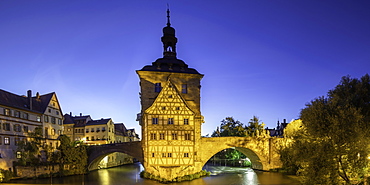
(170, 113)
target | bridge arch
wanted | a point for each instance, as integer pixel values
(97, 152)
(258, 150)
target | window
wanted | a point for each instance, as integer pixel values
(157, 87)
(154, 120)
(163, 154)
(16, 141)
(187, 136)
(46, 132)
(92, 130)
(25, 128)
(177, 108)
(25, 115)
(153, 136)
(19, 155)
(49, 110)
(59, 132)
(153, 155)
(6, 126)
(163, 108)
(186, 121)
(57, 112)
(59, 122)
(170, 96)
(6, 141)
(97, 129)
(161, 136)
(1, 140)
(7, 112)
(92, 138)
(184, 88)
(87, 138)
(52, 131)
(46, 119)
(170, 121)
(87, 130)
(76, 130)
(169, 155)
(17, 128)
(17, 114)
(174, 136)
(186, 154)
(38, 118)
(53, 120)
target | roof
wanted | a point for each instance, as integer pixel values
(39, 103)
(169, 64)
(98, 122)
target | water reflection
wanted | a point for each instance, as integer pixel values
(129, 174)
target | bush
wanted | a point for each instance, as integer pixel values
(197, 175)
(5, 175)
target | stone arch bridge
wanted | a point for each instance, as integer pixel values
(261, 151)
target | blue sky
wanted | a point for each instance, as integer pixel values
(263, 58)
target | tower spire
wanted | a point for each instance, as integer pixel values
(168, 15)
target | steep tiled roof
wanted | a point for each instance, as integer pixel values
(39, 104)
(120, 129)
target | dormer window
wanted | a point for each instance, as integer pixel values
(184, 88)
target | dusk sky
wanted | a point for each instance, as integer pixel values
(263, 58)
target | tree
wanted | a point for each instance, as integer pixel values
(72, 154)
(230, 127)
(255, 128)
(30, 149)
(334, 143)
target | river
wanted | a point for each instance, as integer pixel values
(129, 174)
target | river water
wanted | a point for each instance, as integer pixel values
(129, 174)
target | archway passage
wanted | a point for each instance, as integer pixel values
(261, 151)
(231, 157)
(98, 152)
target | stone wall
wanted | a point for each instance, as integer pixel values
(30, 172)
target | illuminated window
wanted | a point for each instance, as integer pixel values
(169, 155)
(157, 87)
(184, 88)
(38, 118)
(6, 141)
(19, 155)
(7, 112)
(170, 121)
(186, 121)
(153, 136)
(186, 154)
(52, 132)
(174, 136)
(161, 136)
(187, 136)
(154, 120)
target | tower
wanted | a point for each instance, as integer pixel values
(170, 115)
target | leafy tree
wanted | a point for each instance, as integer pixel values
(230, 127)
(255, 128)
(30, 149)
(333, 144)
(73, 155)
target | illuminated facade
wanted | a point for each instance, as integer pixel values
(22, 114)
(170, 113)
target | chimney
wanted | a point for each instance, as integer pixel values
(70, 113)
(29, 96)
(284, 120)
(38, 96)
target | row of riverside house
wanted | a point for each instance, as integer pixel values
(21, 114)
